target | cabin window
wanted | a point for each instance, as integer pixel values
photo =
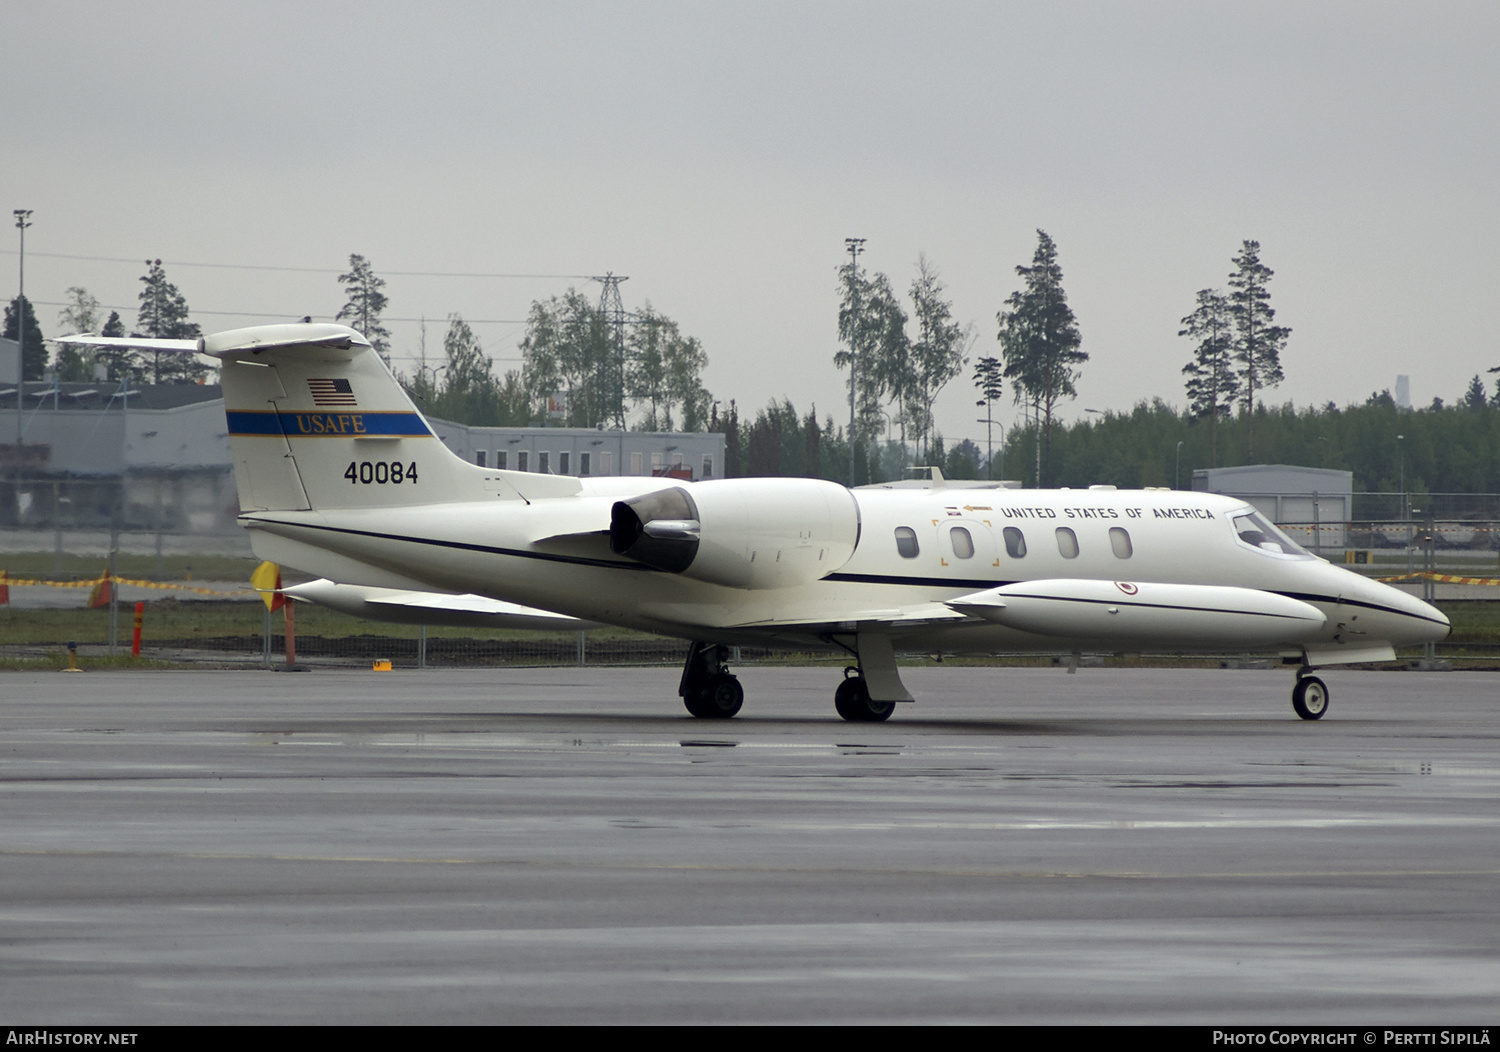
(1015, 543)
(1067, 542)
(906, 542)
(962, 541)
(1119, 540)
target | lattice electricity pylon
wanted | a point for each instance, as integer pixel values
(615, 316)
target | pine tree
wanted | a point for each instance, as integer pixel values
(1039, 340)
(364, 304)
(1257, 341)
(989, 378)
(164, 316)
(33, 348)
(120, 363)
(1474, 399)
(1213, 384)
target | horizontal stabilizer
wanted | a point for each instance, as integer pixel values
(432, 608)
(139, 343)
(1182, 615)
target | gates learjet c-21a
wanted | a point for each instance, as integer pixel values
(340, 476)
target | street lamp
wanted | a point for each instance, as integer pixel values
(23, 220)
(855, 245)
(995, 423)
(1177, 469)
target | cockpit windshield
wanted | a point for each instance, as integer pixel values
(1254, 530)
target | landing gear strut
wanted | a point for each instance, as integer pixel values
(708, 689)
(875, 677)
(852, 700)
(1310, 696)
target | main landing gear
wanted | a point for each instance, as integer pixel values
(852, 700)
(1309, 696)
(708, 689)
(876, 677)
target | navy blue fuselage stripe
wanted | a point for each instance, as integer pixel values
(1137, 605)
(1308, 597)
(326, 424)
(464, 546)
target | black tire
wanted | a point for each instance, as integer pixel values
(719, 699)
(1310, 698)
(852, 701)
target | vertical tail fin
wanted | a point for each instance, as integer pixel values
(317, 421)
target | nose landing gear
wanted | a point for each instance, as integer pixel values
(1309, 696)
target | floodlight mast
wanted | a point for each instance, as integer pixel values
(856, 245)
(23, 220)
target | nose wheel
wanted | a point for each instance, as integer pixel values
(1310, 697)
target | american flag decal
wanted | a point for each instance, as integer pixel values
(331, 392)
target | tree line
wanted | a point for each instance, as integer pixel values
(583, 366)
(163, 314)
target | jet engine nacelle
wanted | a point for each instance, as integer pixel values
(743, 533)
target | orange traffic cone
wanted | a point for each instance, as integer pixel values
(104, 591)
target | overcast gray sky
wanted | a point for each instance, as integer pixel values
(719, 154)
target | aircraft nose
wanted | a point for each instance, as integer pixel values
(1439, 631)
(1421, 622)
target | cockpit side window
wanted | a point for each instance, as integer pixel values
(1254, 530)
(1015, 543)
(906, 542)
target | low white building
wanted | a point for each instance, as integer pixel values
(156, 457)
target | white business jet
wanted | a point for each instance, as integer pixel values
(340, 476)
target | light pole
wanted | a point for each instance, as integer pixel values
(856, 245)
(1177, 468)
(23, 220)
(988, 422)
(1405, 502)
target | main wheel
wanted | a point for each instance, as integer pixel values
(718, 699)
(852, 700)
(1310, 698)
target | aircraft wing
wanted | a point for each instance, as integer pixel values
(432, 608)
(913, 616)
